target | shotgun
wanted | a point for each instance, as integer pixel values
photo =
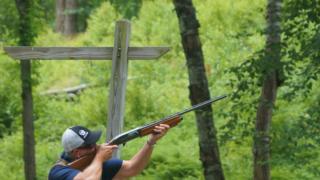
(171, 120)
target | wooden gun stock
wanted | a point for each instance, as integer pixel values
(83, 162)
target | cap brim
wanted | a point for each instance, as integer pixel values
(93, 138)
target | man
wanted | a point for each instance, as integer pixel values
(78, 141)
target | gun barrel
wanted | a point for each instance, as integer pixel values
(197, 106)
(179, 114)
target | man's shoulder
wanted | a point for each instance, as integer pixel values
(111, 168)
(60, 172)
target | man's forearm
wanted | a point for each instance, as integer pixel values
(141, 159)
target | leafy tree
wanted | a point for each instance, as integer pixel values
(272, 67)
(128, 9)
(296, 74)
(26, 38)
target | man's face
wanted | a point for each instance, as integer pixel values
(83, 150)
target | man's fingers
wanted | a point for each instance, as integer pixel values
(114, 147)
(165, 126)
(161, 128)
(106, 146)
(109, 145)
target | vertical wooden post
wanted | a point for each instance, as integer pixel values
(118, 81)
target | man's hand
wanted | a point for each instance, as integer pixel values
(159, 132)
(104, 152)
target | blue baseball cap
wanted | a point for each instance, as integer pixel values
(78, 136)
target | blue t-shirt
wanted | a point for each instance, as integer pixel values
(60, 172)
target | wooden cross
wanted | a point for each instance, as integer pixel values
(120, 53)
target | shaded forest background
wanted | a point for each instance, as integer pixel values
(232, 35)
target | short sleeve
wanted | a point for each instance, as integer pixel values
(59, 172)
(111, 168)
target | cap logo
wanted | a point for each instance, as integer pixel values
(83, 133)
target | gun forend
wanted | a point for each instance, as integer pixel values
(172, 121)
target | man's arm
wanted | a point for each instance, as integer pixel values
(94, 170)
(139, 161)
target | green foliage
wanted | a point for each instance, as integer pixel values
(299, 70)
(83, 12)
(101, 26)
(9, 95)
(302, 41)
(296, 142)
(231, 34)
(8, 21)
(11, 157)
(128, 9)
(176, 171)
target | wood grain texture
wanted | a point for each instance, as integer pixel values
(82, 53)
(118, 81)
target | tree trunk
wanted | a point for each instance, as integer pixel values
(70, 21)
(60, 7)
(28, 129)
(198, 87)
(261, 149)
(25, 39)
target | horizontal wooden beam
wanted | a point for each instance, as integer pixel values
(82, 53)
(145, 53)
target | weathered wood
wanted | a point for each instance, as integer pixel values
(69, 90)
(82, 53)
(146, 53)
(118, 81)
